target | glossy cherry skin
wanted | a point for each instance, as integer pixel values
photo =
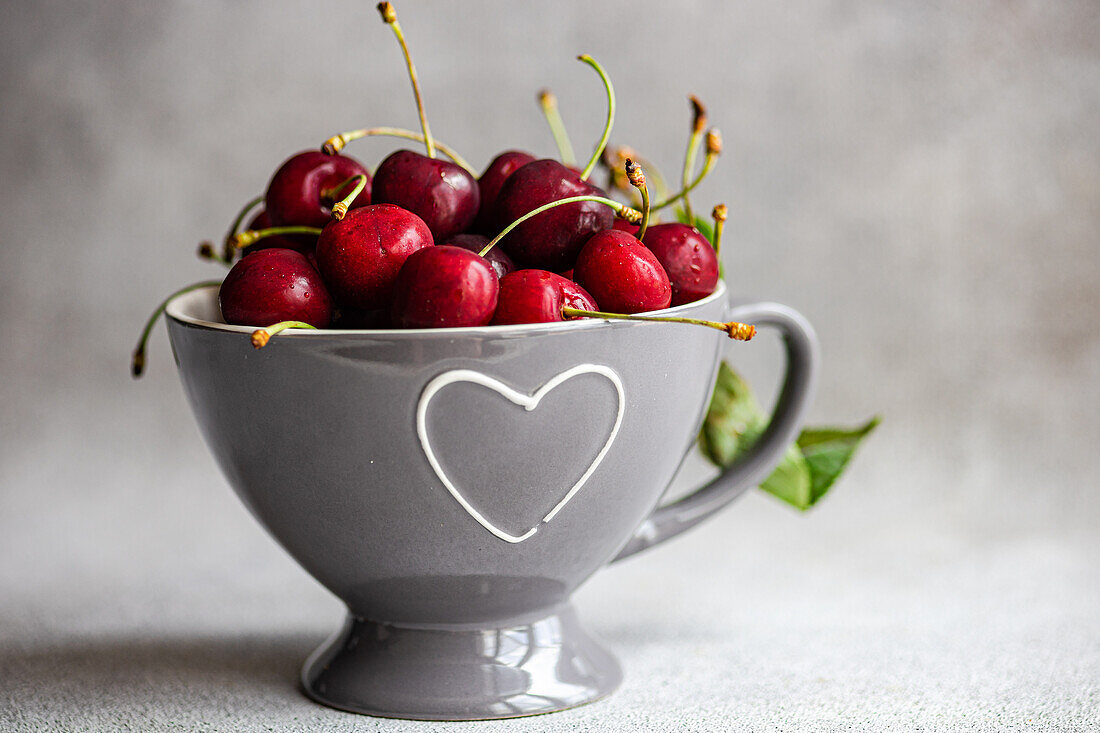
(360, 256)
(490, 183)
(442, 194)
(444, 287)
(625, 226)
(501, 262)
(551, 240)
(275, 285)
(294, 193)
(688, 259)
(359, 319)
(622, 274)
(537, 296)
(302, 242)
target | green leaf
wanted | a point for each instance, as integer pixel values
(791, 480)
(827, 452)
(810, 466)
(734, 420)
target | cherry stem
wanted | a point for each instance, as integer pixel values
(340, 208)
(206, 249)
(549, 103)
(720, 214)
(250, 237)
(610, 115)
(698, 125)
(613, 157)
(714, 149)
(624, 212)
(261, 336)
(636, 176)
(735, 330)
(137, 360)
(389, 15)
(336, 143)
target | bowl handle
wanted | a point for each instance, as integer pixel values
(802, 356)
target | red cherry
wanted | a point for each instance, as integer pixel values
(688, 259)
(502, 263)
(275, 285)
(441, 193)
(294, 194)
(552, 239)
(537, 296)
(444, 287)
(625, 226)
(622, 274)
(490, 183)
(360, 255)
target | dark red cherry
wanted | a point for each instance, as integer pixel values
(622, 274)
(358, 319)
(360, 255)
(501, 262)
(438, 191)
(688, 259)
(537, 296)
(625, 226)
(275, 285)
(444, 287)
(301, 242)
(552, 239)
(490, 183)
(294, 196)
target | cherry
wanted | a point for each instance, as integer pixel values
(444, 287)
(302, 190)
(360, 255)
(625, 226)
(688, 259)
(275, 285)
(537, 296)
(354, 318)
(440, 192)
(501, 262)
(552, 240)
(490, 183)
(622, 274)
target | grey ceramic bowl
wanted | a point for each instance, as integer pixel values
(454, 486)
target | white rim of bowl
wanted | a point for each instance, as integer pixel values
(176, 311)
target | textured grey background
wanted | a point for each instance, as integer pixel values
(921, 178)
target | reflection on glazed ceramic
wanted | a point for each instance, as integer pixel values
(529, 402)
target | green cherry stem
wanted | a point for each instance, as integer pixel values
(336, 143)
(622, 210)
(698, 125)
(137, 360)
(206, 249)
(389, 15)
(714, 149)
(610, 115)
(251, 236)
(720, 214)
(549, 103)
(261, 336)
(636, 176)
(735, 330)
(340, 208)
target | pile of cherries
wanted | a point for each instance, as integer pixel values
(426, 243)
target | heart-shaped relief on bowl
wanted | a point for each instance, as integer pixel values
(529, 402)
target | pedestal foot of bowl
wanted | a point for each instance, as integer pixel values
(468, 674)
